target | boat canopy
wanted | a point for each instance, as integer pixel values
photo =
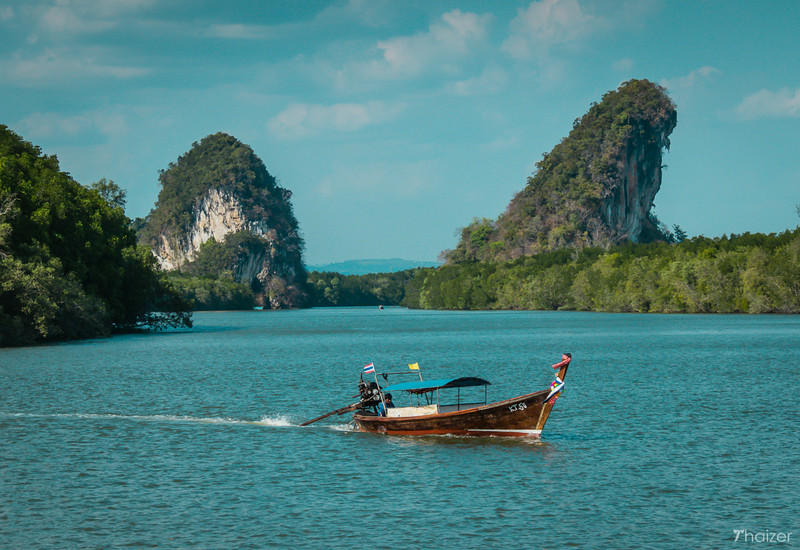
(422, 386)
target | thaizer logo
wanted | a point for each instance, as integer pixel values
(745, 535)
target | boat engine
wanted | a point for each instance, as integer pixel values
(370, 394)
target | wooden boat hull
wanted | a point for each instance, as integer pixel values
(523, 416)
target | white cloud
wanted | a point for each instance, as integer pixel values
(45, 125)
(53, 67)
(62, 19)
(372, 13)
(784, 103)
(349, 15)
(6, 13)
(397, 180)
(300, 120)
(490, 81)
(501, 144)
(116, 8)
(88, 16)
(623, 65)
(447, 50)
(443, 43)
(547, 23)
(694, 78)
(240, 31)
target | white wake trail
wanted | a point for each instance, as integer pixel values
(266, 420)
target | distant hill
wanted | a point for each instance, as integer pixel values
(362, 267)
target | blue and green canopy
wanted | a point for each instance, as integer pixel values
(422, 386)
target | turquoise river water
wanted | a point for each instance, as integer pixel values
(673, 431)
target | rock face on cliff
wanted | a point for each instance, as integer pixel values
(219, 206)
(595, 188)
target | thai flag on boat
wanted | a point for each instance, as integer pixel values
(555, 388)
(368, 369)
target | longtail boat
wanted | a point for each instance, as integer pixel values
(522, 416)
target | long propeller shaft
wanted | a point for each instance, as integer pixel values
(342, 410)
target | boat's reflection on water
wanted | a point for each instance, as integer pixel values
(467, 441)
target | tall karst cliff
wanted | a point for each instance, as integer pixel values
(595, 188)
(220, 207)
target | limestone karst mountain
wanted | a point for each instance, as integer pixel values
(595, 188)
(222, 213)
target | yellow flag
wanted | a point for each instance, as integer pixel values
(413, 366)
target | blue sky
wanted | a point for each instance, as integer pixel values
(396, 123)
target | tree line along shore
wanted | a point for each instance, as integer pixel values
(748, 273)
